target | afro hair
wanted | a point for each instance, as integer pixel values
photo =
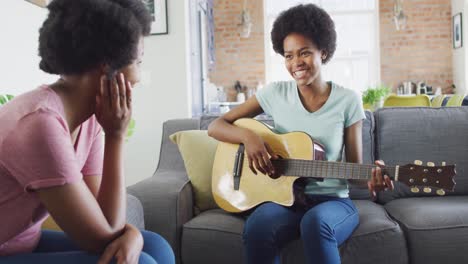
(310, 21)
(79, 35)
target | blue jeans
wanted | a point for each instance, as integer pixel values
(323, 226)
(56, 247)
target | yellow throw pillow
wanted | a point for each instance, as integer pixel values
(50, 224)
(198, 152)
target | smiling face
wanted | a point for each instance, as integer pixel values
(303, 59)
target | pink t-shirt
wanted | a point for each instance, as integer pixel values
(36, 151)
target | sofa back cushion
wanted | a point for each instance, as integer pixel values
(169, 156)
(404, 135)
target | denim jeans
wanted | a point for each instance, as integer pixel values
(323, 225)
(56, 247)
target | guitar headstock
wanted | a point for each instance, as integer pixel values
(417, 175)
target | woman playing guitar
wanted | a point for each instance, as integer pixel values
(305, 36)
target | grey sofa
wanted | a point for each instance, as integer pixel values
(401, 227)
(135, 214)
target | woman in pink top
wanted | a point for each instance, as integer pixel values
(53, 157)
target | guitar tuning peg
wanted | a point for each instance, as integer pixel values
(443, 163)
(418, 162)
(427, 190)
(430, 164)
(414, 189)
(440, 192)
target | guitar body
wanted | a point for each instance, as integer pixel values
(256, 189)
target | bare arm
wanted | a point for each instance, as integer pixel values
(94, 222)
(112, 166)
(93, 182)
(77, 212)
(112, 193)
(222, 128)
(258, 152)
(353, 149)
(353, 144)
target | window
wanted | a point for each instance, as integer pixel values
(355, 64)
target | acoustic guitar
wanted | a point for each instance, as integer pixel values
(236, 188)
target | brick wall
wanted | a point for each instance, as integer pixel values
(238, 58)
(421, 52)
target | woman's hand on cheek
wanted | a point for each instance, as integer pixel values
(114, 105)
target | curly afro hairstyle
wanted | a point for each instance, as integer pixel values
(310, 21)
(79, 35)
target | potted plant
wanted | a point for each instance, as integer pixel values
(5, 98)
(373, 97)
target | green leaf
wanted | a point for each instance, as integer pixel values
(131, 128)
(375, 94)
(4, 98)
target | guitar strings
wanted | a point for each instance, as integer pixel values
(338, 169)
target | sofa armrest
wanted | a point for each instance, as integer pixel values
(135, 215)
(167, 201)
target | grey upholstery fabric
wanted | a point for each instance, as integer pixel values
(376, 240)
(167, 201)
(135, 212)
(436, 228)
(220, 234)
(214, 236)
(368, 126)
(427, 134)
(206, 120)
(169, 157)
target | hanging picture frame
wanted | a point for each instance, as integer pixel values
(158, 10)
(457, 31)
(41, 3)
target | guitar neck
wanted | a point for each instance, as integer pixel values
(329, 169)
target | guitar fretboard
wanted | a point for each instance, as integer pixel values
(327, 169)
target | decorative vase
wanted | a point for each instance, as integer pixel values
(378, 104)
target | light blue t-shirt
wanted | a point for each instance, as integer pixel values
(342, 109)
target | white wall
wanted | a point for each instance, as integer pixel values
(19, 32)
(460, 55)
(163, 93)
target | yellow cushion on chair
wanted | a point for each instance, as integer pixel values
(407, 101)
(198, 152)
(50, 224)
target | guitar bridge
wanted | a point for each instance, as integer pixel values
(238, 162)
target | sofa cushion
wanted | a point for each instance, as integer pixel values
(436, 228)
(198, 152)
(216, 229)
(213, 236)
(423, 133)
(378, 239)
(169, 157)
